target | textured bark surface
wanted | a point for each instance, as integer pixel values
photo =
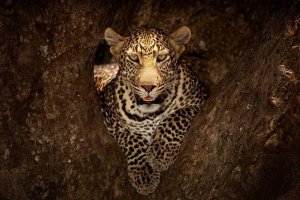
(244, 145)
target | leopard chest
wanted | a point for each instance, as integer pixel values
(127, 116)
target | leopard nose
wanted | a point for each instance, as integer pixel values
(148, 88)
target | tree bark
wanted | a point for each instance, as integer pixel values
(244, 145)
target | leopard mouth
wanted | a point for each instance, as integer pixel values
(157, 100)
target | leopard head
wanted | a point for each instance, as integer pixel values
(147, 59)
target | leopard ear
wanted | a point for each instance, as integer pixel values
(179, 38)
(115, 41)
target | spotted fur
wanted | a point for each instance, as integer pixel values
(150, 133)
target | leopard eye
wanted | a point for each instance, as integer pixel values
(133, 57)
(161, 57)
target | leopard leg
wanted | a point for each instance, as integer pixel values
(168, 139)
(142, 176)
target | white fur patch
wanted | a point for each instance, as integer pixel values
(149, 108)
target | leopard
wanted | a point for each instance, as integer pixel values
(150, 103)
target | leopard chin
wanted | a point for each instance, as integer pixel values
(149, 108)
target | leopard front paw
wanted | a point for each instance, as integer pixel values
(146, 189)
(160, 165)
(159, 160)
(144, 180)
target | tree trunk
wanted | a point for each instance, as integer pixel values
(244, 145)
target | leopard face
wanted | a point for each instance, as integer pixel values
(147, 59)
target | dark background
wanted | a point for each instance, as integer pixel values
(244, 145)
